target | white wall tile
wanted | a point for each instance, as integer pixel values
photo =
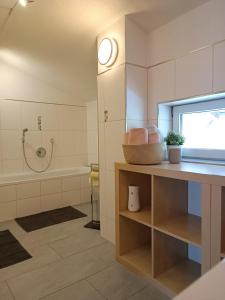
(114, 93)
(11, 144)
(85, 195)
(7, 211)
(71, 183)
(194, 74)
(85, 181)
(71, 197)
(29, 206)
(12, 166)
(49, 202)
(219, 68)
(30, 113)
(51, 186)
(68, 143)
(50, 117)
(92, 115)
(110, 194)
(114, 136)
(28, 190)
(137, 99)
(7, 193)
(161, 86)
(102, 146)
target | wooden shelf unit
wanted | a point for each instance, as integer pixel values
(185, 227)
(134, 245)
(155, 240)
(172, 267)
(144, 182)
(222, 222)
(143, 216)
(171, 210)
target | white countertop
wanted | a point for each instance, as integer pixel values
(210, 286)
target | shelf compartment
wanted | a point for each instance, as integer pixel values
(127, 179)
(134, 248)
(181, 275)
(171, 210)
(139, 259)
(143, 216)
(186, 227)
(172, 266)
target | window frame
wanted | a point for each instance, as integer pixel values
(198, 153)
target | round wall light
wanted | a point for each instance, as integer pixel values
(23, 2)
(107, 51)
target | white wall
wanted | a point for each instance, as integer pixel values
(122, 91)
(92, 131)
(15, 84)
(186, 57)
(63, 118)
(66, 124)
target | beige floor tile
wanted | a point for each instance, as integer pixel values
(116, 282)
(81, 290)
(49, 279)
(85, 208)
(41, 256)
(80, 241)
(14, 228)
(149, 292)
(105, 252)
(52, 233)
(5, 293)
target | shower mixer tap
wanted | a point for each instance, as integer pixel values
(39, 123)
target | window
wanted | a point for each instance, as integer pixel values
(203, 126)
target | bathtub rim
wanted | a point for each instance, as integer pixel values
(15, 179)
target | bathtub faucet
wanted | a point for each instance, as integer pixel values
(24, 133)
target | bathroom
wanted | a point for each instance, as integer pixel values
(63, 112)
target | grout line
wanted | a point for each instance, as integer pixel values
(76, 281)
(97, 290)
(10, 290)
(42, 102)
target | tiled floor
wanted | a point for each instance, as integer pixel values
(70, 262)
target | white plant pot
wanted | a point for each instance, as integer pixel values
(174, 154)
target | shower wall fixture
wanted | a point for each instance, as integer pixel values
(40, 151)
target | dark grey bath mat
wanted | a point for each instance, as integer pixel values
(11, 251)
(48, 218)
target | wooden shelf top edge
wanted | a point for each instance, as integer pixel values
(174, 227)
(204, 173)
(139, 217)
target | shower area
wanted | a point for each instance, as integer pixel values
(46, 151)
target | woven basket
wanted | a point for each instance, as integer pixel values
(148, 154)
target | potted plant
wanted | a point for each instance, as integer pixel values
(174, 142)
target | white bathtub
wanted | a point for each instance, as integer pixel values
(30, 193)
(28, 177)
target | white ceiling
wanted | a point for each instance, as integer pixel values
(55, 40)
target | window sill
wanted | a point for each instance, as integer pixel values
(204, 161)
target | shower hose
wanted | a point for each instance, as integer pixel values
(26, 160)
